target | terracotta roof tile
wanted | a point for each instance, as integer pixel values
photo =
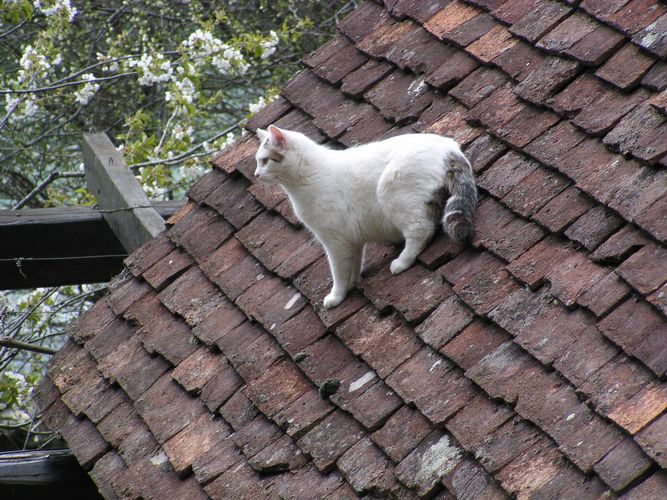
(656, 77)
(360, 22)
(473, 424)
(483, 151)
(473, 343)
(402, 432)
(221, 386)
(451, 16)
(544, 459)
(567, 33)
(171, 265)
(511, 12)
(538, 22)
(439, 378)
(635, 463)
(597, 46)
(266, 116)
(492, 44)
(436, 448)
(562, 210)
(212, 365)
(497, 109)
(329, 439)
(636, 15)
(519, 60)
(652, 440)
(652, 37)
(471, 30)
(653, 486)
(469, 478)
(626, 67)
(602, 8)
(477, 86)
(334, 60)
(400, 98)
(385, 36)
(604, 295)
(238, 410)
(194, 441)
(547, 79)
(367, 470)
(593, 227)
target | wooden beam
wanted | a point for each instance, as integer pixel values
(61, 246)
(124, 203)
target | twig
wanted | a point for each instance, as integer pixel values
(187, 154)
(68, 84)
(25, 346)
(52, 177)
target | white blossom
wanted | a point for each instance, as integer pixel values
(152, 70)
(86, 93)
(179, 132)
(257, 106)
(61, 8)
(32, 62)
(202, 44)
(269, 46)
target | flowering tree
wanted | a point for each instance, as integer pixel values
(169, 81)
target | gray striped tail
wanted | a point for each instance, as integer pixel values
(459, 213)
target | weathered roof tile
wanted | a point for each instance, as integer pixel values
(335, 60)
(626, 67)
(636, 15)
(367, 469)
(511, 12)
(477, 86)
(471, 30)
(194, 441)
(492, 44)
(652, 37)
(547, 79)
(618, 476)
(653, 440)
(454, 14)
(538, 22)
(329, 439)
(400, 97)
(519, 60)
(423, 469)
(473, 343)
(567, 33)
(402, 432)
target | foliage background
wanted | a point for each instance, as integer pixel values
(169, 81)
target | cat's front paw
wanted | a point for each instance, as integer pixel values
(332, 300)
(398, 266)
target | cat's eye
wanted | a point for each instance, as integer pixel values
(265, 161)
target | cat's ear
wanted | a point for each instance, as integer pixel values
(262, 134)
(277, 137)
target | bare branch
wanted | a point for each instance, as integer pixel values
(52, 177)
(25, 346)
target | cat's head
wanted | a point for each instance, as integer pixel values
(276, 154)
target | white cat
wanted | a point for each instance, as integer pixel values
(380, 191)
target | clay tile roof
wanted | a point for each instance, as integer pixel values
(532, 363)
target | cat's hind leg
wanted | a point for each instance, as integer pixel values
(357, 263)
(404, 203)
(417, 235)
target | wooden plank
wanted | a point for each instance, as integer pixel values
(61, 246)
(124, 204)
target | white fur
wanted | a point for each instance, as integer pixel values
(374, 192)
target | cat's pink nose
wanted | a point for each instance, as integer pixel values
(257, 174)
